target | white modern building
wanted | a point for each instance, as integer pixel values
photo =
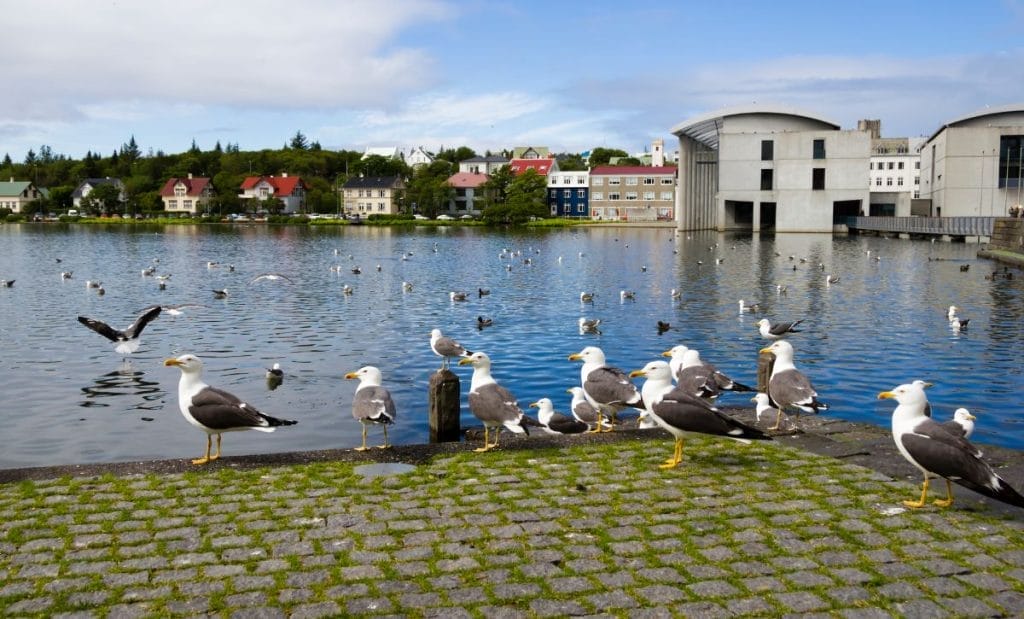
(895, 172)
(973, 165)
(760, 167)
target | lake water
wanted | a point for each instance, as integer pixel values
(69, 398)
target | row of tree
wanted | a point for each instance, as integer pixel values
(507, 197)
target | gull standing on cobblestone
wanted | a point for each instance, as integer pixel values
(493, 404)
(557, 423)
(608, 389)
(788, 387)
(962, 423)
(679, 412)
(937, 453)
(215, 411)
(372, 403)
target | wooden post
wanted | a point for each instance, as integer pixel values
(765, 361)
(443, 406)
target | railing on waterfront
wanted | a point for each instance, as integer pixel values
(951, 226)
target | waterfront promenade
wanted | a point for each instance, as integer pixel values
(541, 527)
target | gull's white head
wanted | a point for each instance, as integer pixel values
(477, 360)
(654, 370)
(187, 363)
(590, 354)
(676, 352)
(962, 415)
(367, 375)
(911, 394)
(782, 350)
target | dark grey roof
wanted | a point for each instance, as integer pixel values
(487, 159)
(372, 182)
(94, 183)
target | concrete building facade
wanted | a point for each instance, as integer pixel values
(632, 193)
(769, 167)
(974, 165)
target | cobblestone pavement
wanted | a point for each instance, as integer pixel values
(529, 530)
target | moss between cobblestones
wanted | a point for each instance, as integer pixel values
(596, 528)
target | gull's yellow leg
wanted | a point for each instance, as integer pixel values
(485, 447)
(497, 431)
(924, 495)
(386, 445)
(946, 502)
(205, 458)
(778, 421)
(677, 455)
(216, 455)
(364, 447)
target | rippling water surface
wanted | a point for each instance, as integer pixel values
(69, 398)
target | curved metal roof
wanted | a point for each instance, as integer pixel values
(705, 128)
(988, 111)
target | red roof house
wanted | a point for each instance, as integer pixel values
(187, 195)
(540, 166)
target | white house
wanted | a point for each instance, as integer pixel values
(85, 188)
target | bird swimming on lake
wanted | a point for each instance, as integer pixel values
(589, 325)
(445, 347)
(557, 423)
(678, 412)
(91, 283)
(663, 327)
(372, 403)
(213, 410)
(778, 330)
(627, 294)
(7, 283)
(220, 294)
(675, 294)
(457, 296)
(480, 292)
(493, 404)
(586, 297)
(148, 271)
(346, 289)
(356, 270)
(275, 376)
(937, 453)
(482, 322)
(831, 279)
(406, 287)
(125, 342)
(608, 388)
(66, 274)
(752, 308)
(788, 387)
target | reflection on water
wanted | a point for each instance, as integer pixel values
(882, 324)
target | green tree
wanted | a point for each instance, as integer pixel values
(601, 155)
(105, 198)
(376, 165)
(299, 141)
(524, 197)
(456, 155)
(571, 162)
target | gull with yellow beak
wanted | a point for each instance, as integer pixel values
(372, 403)
(788, 387)
(493, 404)
(215, 411)
(607, 388)
(938, 453)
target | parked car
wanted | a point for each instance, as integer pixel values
(419, 217)
(445, 218)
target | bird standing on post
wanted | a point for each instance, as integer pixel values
(788, 387)
(445, 347)
(372, 403)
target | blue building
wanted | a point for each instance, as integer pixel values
(569, 194)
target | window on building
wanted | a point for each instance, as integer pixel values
(666, 195)
(567, 193)
(597, 195)
(1011, 149)
(614, 181)
(890, 165)
(179, 190)
(553, 193)
(598, 181)
(917, 180)
(614, 195)
(899, 181)
(899, 165)
(767, 150)
(631, 180)
(917, 165)
(581, 193)
(648, 195)
(888, 181)
(188, 204)
(172, 204)
(878, 181)
(819, 149)
(648, 180)
(631, 195)
(264, 192)
(383, 193)
(818, 178)
(667, 181)
(767, 176)
(380, 206)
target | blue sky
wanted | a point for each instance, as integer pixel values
(87, 75)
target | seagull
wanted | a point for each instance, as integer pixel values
(956, 322)
(406, 287)
(663, 326)
(582, 410)
(482, 322)
(701, 379)
(457, 296)
(764, 407)
(346, 289)
(937, 453)
(356, 270)
(173, 310)
(215, 411)
(788, 387)
(445, 347)
(831, 279)
(7, 283)
(372, 403)
(675, 294)
(608, 389)
(211, 264)
(127, 341)
(586, 297)
(678, 412)
(148, 271)
(273, 277)
(493, 404)
(275, 376)
(627, 294)
(962, 423)
(778, 330)
(752, 308)
(557, 423)
(589, 325)
(480, 292)
(220, 294)
(89, 283)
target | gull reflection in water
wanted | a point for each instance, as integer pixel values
(124, 381)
